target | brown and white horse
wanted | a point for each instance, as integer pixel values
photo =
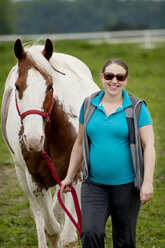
(44, 85)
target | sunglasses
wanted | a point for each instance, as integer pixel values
(109, 76)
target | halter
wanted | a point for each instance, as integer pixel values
(35, 111)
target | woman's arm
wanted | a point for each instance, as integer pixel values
(147, 139)
(75, 161)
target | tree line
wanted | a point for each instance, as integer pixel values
(61, 16)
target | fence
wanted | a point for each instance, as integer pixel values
(147, 37)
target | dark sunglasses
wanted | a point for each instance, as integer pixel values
(120, 76)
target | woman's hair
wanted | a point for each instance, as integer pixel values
(115, 61)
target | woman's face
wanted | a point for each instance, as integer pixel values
(114, 79)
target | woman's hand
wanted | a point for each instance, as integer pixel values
(146, 192)
(65, 185)
(67, 182)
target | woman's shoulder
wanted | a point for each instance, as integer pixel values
(135, 99)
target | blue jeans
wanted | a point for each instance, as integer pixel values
(98, 202)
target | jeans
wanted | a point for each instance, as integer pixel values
(98, 202)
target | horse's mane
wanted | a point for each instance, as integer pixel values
(36, 57)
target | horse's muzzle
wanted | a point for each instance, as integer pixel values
(33, 143)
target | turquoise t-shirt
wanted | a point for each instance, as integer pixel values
(110, 156)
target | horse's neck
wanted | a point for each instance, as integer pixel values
(60, 133)
(60, 137)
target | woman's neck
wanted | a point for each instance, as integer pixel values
(113, 99)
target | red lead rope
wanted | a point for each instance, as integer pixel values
(74, 195)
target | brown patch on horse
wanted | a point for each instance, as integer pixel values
(48, 97)
(4, 114)
(24, 65)
(59, 140)
(23, 68)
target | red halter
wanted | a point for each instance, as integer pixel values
(34, 111)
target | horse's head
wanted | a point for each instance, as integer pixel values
(34, 92)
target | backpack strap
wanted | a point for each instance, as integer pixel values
(136, 102)
(89, 108)
(132, 115)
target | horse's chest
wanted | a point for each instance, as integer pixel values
(40, 171)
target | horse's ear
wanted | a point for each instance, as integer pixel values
(18, 49)
(48, 49)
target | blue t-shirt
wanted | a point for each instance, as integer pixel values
(110, 157)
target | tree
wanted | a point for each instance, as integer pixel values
(6, 17)
(66, 16)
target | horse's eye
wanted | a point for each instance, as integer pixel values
(17, 88)
(49, 88)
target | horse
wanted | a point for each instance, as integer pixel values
(40, 108)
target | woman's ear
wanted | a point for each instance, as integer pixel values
(101, 76)
(126, 80)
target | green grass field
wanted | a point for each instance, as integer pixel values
(146, 71)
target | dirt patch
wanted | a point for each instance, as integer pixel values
(8, 178)
(7, 171)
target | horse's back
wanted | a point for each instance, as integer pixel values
(78, 80)
(71, 62)
(63, 60)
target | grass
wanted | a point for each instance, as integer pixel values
(146, 71)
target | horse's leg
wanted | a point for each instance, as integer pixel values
(34, 206)
(69, 234)
(57, 209)
(44, 200)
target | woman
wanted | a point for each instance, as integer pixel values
(109, 189)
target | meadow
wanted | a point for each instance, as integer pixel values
(147, 81)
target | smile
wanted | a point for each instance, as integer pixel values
(113, 86)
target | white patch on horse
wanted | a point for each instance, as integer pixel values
(33, 98)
